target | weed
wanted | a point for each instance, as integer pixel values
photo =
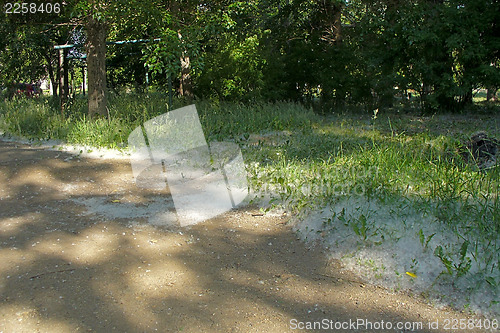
(424, 240)
(447, 262)
(360, 227)
(458, 268)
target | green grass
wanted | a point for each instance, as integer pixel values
(394, 159)
(389, 156)
(32, 119)
(38, 119)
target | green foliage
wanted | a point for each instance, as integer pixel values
(26, 47)
(440, 50)
(40, 119)
(233, 120)
(424, 240)
(235, 72)
(325, 54)
(462, 264)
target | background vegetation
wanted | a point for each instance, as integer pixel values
(324, 53)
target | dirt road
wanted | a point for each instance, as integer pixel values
(82, 249)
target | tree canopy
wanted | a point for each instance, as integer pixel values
(331, 51)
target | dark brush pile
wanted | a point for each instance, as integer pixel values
(482, 150)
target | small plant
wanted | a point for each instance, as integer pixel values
(360, 227)
(459, 268)
(448, 264)
(464, 264)
(414, 264)
(328, 222)
(341, 217)
(491, 281)
(423, 240)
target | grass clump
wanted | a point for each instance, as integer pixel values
(40, 119)
(111, 133)
(33, 119)
(394, 168)
(233, 120)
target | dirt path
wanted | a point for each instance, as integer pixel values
(79, 253)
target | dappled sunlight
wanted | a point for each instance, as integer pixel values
(13, 262)
(10, 226)
(369, 186)
(5, 191)
(93, 246)
(31, 320)
(32, 174)
(87, 257)
(125, 300)
(156, 280)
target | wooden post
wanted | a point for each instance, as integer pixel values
(65, 76)
(169, 92)
(83, 80)
(60, 79)
(72, 86)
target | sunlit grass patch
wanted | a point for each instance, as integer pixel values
(383, 173)
(112, 133)
(33, 119)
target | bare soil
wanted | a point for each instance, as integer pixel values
(67, 268)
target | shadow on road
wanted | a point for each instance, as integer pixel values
(64, 270)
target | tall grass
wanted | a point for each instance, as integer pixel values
(33, 119)
(229, 120)
(398, 166)
(39, 119)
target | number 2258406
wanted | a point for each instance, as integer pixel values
(32, 8)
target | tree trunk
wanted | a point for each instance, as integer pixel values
(185, 87)
(331, 13)
(337, 23)
(84, 71)
(65, 74)
(491, 94)
(96, 67)
(63, 78)
(50, 72)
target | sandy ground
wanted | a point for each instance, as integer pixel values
(81, 250)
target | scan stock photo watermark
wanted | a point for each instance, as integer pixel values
(204, 180)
